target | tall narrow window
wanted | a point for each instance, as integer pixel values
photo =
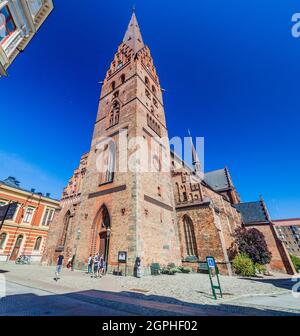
(65, 229)
(2, 240)
(37, 244)
(7, 25)
(48, 217)
(28, 215)
(114, 114)
(106, 164)
(191, 246)
(123, 79)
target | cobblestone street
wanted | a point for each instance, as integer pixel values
(31, 290)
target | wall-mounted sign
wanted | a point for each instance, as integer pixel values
(122, 257)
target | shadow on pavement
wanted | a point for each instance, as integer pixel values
(102, 303)
(280, 283)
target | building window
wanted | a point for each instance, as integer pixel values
(48, 217)
(37, 244)
(155, 102)
(35, 6)
(107, 163)
(153, 89)
(28, 215)
(123, 79)
(147, 81)
(65, 229)
(147, 94)
(114, 114)
(120, 64)
(2, 202)
(191, 247)
(7, 25)
(2, 240)
(113, 85)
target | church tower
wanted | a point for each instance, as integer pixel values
(126, 209)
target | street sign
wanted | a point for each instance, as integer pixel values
(122, 257)
(211, 263)
(7, 212)
(213, 272)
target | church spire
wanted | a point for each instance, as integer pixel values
(133, 37)
(196, 161)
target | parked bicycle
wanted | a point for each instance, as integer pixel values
(23, 260)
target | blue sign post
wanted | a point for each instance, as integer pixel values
(213, 271)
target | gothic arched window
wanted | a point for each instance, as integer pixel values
(147, 81)
(123, 79)
(190, 239)
(107, 163)
(37, 244)
(114, 114)
(65, 229)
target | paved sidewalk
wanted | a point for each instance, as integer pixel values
(155, 296)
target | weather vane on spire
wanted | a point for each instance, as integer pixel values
(133, 9)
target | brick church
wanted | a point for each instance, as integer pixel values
(162, 216)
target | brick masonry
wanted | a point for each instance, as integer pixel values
(142, 213)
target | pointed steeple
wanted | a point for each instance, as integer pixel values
(196, 161)
(133, 37)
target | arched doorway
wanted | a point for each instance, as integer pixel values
(102, 235)
(17, 248)
(190, 238)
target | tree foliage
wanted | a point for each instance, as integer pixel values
(252, 242)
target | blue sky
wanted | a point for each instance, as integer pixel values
(231, 73)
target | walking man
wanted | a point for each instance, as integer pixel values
(101, 264)
(60, 260)
(96, 265)
(90, 264)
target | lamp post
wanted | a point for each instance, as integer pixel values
(108, 232)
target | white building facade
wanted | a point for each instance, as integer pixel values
(19, 21)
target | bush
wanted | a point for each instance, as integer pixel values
(185, 269)
(296, 262)
(260, 269)
(252, 243)
(243, 265)
(171, 265)
(168, 271)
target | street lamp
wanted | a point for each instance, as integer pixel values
(108, 232)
